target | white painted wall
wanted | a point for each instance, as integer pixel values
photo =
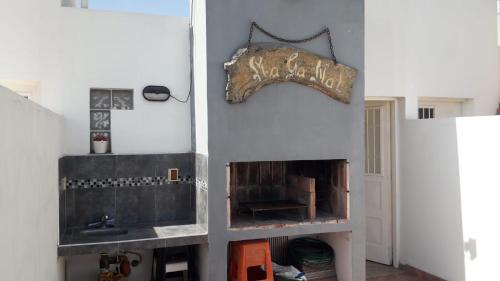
(479, 156)
(449, 197)
(121, 50)
(444, 108)
(200, 74)
(27, 29)
(430, 216)
(21, 39)
(70, 50)
(431, 48)
(30, 147)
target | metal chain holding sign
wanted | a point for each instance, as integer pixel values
(326, 31)
(259, 65)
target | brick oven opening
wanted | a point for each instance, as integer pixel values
(273, 193)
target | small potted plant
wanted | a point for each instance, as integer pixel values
(100, 143)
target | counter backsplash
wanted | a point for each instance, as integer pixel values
(134, 189)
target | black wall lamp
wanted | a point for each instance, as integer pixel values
(156, 93)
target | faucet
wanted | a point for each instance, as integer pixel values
(105, 221)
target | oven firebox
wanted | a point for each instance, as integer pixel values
(272, 193)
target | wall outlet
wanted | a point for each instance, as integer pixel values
(173, 174)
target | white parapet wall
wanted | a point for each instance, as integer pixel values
(30, 146)
(430, 218)
(479, 166)
(449, 197)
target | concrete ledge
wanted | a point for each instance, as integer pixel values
(135, 239)
(306, 228)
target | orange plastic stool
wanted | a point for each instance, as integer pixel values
(246, 259)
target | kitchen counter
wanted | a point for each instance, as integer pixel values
(136, 239)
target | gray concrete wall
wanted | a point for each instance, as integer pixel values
(285, 121)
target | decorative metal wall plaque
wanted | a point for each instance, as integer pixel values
(259, 65)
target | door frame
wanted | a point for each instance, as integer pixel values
(396, 112)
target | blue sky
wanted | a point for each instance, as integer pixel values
(157, 7)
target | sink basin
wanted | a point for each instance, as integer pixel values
(104, 231)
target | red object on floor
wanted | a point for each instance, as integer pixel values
(246, 259)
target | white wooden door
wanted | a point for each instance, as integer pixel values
(378, 182)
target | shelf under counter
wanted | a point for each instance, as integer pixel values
(136, 239)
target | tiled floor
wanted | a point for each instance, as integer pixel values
(379, 272)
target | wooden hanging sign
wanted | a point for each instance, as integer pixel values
(264, 64)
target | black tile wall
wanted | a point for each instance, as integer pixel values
(175, 203)
(70, 209)
(62, 211)
(128, 166)
(167, 204)
(125, 166)
(87, 167)
(183, 161)
(135, 206)
(91, 204)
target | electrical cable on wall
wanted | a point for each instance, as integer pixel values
(190, 67)
(155, 93)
